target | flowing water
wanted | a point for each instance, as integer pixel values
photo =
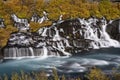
(106, 59)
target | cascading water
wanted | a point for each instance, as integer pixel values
(2, 25)
(45, 52)
(21, 24)
(110, 42)
(61, 39)
(37, 18)
(32, 52)
(92, 34)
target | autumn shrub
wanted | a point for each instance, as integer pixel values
(36, 26)
(116, 76)
(96, 74)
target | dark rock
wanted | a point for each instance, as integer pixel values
(36, 18)
(113, 29)
(61, 39)
(21, 24)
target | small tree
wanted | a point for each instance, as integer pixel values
(40, 76)
(116, 76)
(15, 76)
(97, 74)
(63, 77)
(5, 77)
(55, 75)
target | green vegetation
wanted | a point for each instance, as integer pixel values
(94, 74)
(68, 8)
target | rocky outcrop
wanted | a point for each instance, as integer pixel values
(36, 18)
(21, 24)
(63, 38)
(113, 29)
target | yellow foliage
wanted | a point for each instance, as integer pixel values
(35, 26)
(97, 74)
(5, 34)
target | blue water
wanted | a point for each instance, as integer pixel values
(106, 59)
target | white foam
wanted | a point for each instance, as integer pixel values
(57, 36)
(45, 51)
(44, 18)
(91, 34)
(94, 62)
(44, 32)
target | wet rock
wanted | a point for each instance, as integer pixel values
(36, 18)
(113, 29)
(21, 24)
(62, 39)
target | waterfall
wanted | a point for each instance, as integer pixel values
(31, 51)
(57, 36)
(2, 25)
(108, 42)
(67, 43)
(45, 52)
(91, 33)
(21, 24)
(63, 51)
(61, 39)
(44, 32)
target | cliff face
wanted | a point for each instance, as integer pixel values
(113, 29)
(63, 38)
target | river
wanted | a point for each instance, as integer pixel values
(105, 59)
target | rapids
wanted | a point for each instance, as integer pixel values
(105, 59)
